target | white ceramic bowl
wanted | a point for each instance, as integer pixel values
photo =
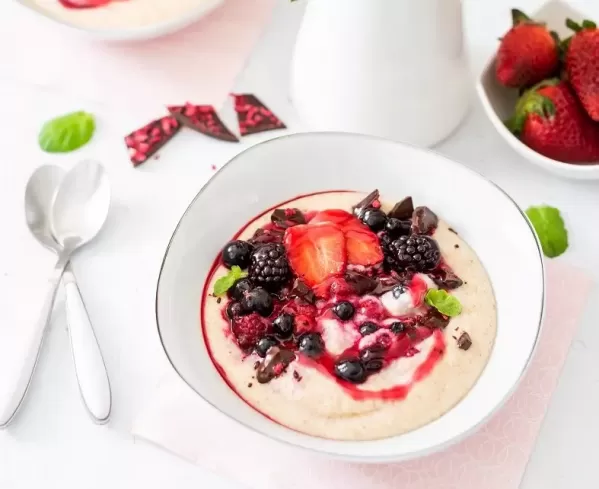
(134, 33)
(277, 170)
(499, 101)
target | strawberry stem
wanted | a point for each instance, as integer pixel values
(532, 102)
(589, 24)
(518, 17)
(575, 26)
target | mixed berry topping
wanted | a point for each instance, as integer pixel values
(269, 266)
(237, 253)
(351, 292)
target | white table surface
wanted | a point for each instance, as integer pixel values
(53, 443)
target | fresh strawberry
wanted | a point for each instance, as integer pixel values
(333, 216)
(582, 64)
(363, 248)
(549, 119)
(316, 251)
(249, 329)
(528, 53)
(334, 287)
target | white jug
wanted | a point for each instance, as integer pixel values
(389, 68)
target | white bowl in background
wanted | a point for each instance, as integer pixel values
(499, 101)
(136, 33)
(280, 169)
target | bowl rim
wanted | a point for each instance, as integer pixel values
(142, 33)
(339, 456)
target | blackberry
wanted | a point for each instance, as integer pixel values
(237, 253)
(417, 253)
(269, 266)
(385, 240)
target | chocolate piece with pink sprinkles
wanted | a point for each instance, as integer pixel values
(146, 141)
(254, 116)
(203, 119)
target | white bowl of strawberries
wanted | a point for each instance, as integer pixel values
(541, 90)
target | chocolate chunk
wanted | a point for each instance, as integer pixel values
(276, 362)
(389, 282)
(464, 341)
(424, 221)
(203, 119)
(253, 116)
(250, 385)
(285, 218)
(436, 320)
(361, 284)
(263, 236)
(146, 141)
(446, 279)
(302, 291)
(456, 246)
(403, 210)
(297, 376)
(454, 232)
(365, 202)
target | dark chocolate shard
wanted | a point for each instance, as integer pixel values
(276, 362)
(390, 282)
(146, 141)
(285, 218)
(302, 291)
(366, 202)
(403, 210)
(436, 320)
(253, 116)
(424, 221)
(263, 236)
(464, 341)
(203, 119)
(454, 232)
(446, 279)
(360, 283)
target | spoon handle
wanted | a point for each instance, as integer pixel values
(89, 364)
(7, 414)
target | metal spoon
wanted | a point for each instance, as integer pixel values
(39, 195)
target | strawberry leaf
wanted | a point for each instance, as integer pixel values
(518, 17)
(550, 228)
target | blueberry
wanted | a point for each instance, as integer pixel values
(351, 370)
(258, 300)
(374, 352)
(396, 227)
(398, 290)
(375, 219)
(344, 310)
(368, 328)
(374, 365)
(283, 326)
(311, 344)
(237, 253)
(239, 288)
(234, 310)
(397, 327)
(264, 344)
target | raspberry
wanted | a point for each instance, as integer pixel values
(249, 329)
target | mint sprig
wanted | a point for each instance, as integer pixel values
(550, 229)
(443, 302)
(226, 282)
(67, 132)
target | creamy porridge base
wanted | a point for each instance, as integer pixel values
(318, 405)
(123, 14)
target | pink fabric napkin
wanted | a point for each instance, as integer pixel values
(198, 64)
(493, 458)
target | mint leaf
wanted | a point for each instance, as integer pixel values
(550, 229)
(226, 282)
(443, 302)
(67, 132)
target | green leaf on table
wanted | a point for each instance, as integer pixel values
(443, 302)
(226, 282)
(550, 229)
(67, 132)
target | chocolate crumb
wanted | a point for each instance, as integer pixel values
(454, 337)
(256, 365)
(302, 291)
(219, 300)
(456, 328)
(297, 376)
(464, 341)
(250, 385)
(456, 246)
(452, 230)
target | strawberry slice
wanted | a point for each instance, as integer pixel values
(315, 251)
(363, 247)
(333, 216)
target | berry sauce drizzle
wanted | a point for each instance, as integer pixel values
(84, 4)
(392, 345)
